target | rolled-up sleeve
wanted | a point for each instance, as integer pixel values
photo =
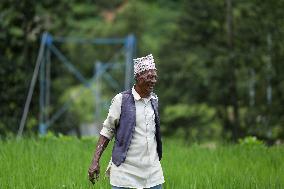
(112, 118)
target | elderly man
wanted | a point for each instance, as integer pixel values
(133, 120)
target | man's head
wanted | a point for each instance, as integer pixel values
(145, 74)
(146, 81)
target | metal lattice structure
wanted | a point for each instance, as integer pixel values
(43, 69)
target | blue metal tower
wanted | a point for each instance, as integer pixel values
(43, 68)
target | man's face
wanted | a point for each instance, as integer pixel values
(147, 80)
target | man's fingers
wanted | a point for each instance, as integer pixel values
(91, 177)
(94, 174)
(91, 174)
(93, 181)
(97, 174)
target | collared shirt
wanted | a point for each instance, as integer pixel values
(141, 168)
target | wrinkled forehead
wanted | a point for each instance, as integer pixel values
(148, 72)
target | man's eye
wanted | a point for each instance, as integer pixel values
(151, 77)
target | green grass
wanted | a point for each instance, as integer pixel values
(63, 163)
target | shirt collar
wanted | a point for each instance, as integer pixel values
(138, 97)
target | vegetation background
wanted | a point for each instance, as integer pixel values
(220, 62)
(62, 162)
(220, 65)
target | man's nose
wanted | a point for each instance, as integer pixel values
(153, 80)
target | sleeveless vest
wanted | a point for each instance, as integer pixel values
(125, 129)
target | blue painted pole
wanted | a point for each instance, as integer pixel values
(42, 94)
(97, 41)
(98, 92)
(129, 48)
(69, 66)
(48, 41)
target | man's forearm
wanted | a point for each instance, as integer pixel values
(102, 144)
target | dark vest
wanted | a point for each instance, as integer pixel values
(124, 130)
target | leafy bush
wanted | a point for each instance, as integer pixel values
(250, 141)
(197, 121)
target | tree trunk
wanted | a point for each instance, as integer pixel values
(233, 94)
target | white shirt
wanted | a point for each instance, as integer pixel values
(141, 168)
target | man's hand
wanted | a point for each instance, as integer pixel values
(94, 172)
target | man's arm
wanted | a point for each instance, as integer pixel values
(95, 165)
(106, 134)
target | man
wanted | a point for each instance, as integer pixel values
(133, 120)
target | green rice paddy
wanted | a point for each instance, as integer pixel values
(63, 163)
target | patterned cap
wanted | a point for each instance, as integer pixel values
(144, 63)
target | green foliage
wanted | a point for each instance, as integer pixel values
(197, 121)
(199, 61)
(60, 163)
(203, 62)
(250, 141)
(83, 102)
(49, 136)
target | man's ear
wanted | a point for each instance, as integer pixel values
(138, 78)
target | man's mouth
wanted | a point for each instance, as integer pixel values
(151, 87)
